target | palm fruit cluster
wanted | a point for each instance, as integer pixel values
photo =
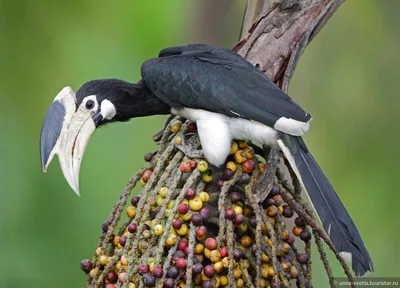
(194, 226)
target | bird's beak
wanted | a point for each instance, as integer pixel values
(66, 132)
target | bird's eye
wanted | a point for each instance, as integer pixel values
(89, 104)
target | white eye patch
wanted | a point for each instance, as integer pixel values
(90, 103)
(107, 109)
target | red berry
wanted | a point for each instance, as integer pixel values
(177, 224)
(112, 277)
(239, 218)
(211, 243)
(183, 208)
(132, 227)
(181, 263)
(224, 252)
(122, 240)
(201, 231)
(192, 164)
(146, 175)
(86, 265)
(177, 255)
(184, 167)
(183, 245)
(248, 166)
(191, 128)
(209, 271)
(190, 193)
(158, 271)
(143, 269)
(135, 200)
(230, 213)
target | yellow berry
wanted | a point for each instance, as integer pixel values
(158, 229)
(202, 166)
(240, 283)
(215, 256)
(131, 211)
(231, 166)
(103, 260)
(187, 216)
(240, 156)
(116, 240)
(142, 182)
(204, 196)
(225, 262)
(178, 140)
(183, 230)
(238, 209)
(237, 272)
(224, 280)
(242, 144)
(207, 176)
(196, 204)
(93, 272)
(159, 200)
(199, 248)
(176, 126)
(234, 148)
(124, 260)
(171, 240)
(99, 251)
(163, 192)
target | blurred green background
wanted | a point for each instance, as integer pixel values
(347, 79)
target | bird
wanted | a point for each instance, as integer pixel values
(228, 98)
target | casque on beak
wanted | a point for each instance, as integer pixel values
(66, 132)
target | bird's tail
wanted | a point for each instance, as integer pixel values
(331, 212)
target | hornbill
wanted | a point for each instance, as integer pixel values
(228, 98)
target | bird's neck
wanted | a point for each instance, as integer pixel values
(142, 102)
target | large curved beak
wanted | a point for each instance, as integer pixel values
(66, 132)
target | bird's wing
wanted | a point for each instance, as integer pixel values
(215, 82)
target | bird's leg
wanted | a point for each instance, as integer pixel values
(190, 146)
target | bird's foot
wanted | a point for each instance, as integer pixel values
(157, 137)
(189, 146)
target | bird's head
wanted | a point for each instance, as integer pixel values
(72, 119)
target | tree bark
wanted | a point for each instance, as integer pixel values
(279, 33)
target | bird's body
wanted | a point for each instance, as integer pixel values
(228, 98)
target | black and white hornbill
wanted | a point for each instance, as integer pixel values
(228, 98)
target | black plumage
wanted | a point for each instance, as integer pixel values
(203, 79)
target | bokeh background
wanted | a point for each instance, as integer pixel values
(347, 79)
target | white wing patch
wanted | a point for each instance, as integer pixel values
(291, 126)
